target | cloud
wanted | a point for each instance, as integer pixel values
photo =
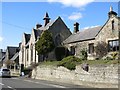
(73, 3)
(90, 27)
(1, 39)
(75, 16)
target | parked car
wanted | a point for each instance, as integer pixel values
(4, 72)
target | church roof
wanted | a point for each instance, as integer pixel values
(86, 34)
(27, 37)
(47, 26)
(37, 33)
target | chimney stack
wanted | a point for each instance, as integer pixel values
(38, 26)
(76, 27)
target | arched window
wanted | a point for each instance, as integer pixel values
(58, 40)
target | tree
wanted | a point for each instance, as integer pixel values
(45, 44)
(101, 49)
(83, 54)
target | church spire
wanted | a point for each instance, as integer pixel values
(111, 13)
(111, 8)
(46, 18)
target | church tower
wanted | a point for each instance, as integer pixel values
(111, 13)
(46, 18)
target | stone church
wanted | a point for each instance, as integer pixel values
(99, 41)
(59, 30)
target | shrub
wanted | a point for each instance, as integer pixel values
(69, 62)
(114, 55)
(27, 71)
(83, 55)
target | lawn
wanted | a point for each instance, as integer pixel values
(90, 62)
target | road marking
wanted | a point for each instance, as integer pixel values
(58, 86)
(1, 84)
(37, 82)
(9, 86)
(14, 78)
(28, 81)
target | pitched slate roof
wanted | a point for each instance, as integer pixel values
(37, 33)
(15, 56)
(27, 37)
(86, 34)
(47, 26)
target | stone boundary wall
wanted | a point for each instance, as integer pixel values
(100, 76)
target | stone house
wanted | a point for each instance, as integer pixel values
(11, 57)
(28, 55)
(2, 56)
(98, 41)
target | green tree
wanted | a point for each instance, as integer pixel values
(45, 44)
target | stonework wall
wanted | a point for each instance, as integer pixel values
(98, 76)
(80, 46)
(105, 34)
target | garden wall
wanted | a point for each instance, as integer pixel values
(97, 76)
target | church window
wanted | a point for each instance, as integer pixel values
(58, 40)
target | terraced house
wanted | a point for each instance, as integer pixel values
(59, 30)
(98, 42)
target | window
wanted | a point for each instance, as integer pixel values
(72, 49)
(58, 40)
(113, 25)
(113, 45)
(91, 48)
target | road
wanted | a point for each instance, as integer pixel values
(17, 83)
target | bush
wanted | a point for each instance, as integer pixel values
(83, 55)
(70, 62)
(27, 71)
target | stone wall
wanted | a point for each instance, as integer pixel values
(98, 76)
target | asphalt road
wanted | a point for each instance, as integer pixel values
(17, 83)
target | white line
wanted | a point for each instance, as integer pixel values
(28, 81)
(37, 82)
(1, 84)
(58, 86)
(9, 86)
(14, 78)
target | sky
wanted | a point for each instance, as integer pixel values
(19, 17)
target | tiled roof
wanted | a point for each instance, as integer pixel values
(85, 34)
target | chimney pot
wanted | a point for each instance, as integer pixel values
(38, 26)
(76, 27)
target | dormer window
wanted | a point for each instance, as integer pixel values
(113, 25)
